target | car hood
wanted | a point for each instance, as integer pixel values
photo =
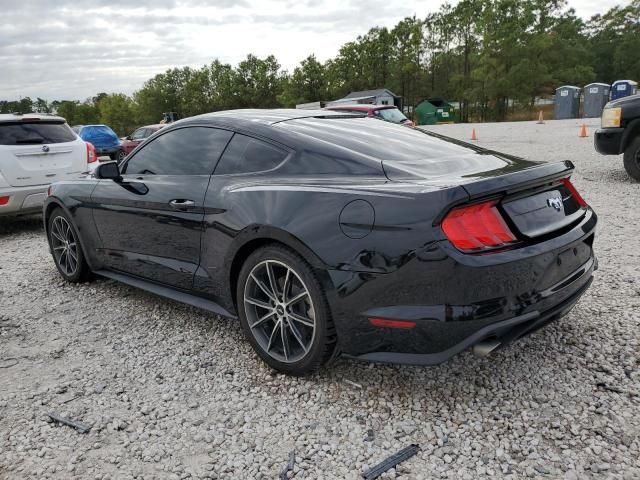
(624, 101)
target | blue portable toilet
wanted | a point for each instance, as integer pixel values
(623, 88)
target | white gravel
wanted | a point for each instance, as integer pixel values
(173, 392)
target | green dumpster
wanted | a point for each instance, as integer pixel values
(434, 111)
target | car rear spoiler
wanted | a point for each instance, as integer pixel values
(513, 182)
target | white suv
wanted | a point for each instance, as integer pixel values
(36, 150)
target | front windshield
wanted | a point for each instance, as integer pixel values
(391, 115)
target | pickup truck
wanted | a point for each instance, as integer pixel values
(620, 132)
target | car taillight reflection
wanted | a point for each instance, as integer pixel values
(574, 193)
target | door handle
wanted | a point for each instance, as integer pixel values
(181, 204)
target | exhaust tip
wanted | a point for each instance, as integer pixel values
(485, 347)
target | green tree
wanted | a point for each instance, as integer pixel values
(77, 113)
(257, 83)
(308, 83)
(116, 110)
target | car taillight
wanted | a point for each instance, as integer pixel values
(4, 200)
(574, 193)
(91, 153)
(477, 227)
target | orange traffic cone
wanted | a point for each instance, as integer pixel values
(583, 131)
(474, 137)
(540, 118)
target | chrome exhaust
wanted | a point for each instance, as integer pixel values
(485, 347)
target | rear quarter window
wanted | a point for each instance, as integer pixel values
(30, 133)
(248, 155)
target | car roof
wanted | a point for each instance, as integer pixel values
(361, 107)
(263, 116)
(16, 117)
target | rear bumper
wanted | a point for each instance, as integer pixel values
(23, 200)
(608, 141)
(458, 300)
(502, 333)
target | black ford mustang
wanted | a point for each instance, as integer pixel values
(328, 233)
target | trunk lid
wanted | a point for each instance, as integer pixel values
(34, 152)
(534, 198)
(540, 212)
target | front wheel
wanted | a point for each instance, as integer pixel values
(284, 312)
(65, 248)
(632, 159)
(120, 156)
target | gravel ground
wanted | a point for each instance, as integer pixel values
(174, 392)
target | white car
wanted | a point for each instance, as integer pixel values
(35, 151)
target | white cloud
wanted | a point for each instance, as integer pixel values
(62, 49)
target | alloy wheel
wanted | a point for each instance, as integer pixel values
(64, 246)
(279, 311)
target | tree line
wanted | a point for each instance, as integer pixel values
(486, 54)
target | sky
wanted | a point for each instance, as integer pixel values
(63, 49)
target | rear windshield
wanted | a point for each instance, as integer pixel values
(404, 152)
(30, 133)
(391, 115)
(376, 139)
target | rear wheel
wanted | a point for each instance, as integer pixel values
(283, 311)
(120, 156)
(632, 159)
(65, 248)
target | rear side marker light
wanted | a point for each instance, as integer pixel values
(478, 227)
(91, 153)
(4, 200)
(574, 193)
(387, 323)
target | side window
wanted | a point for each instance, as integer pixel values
(139, 134)
(246, 155)
(184, 151)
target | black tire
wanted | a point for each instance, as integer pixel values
(320, 339)
(120, 156)
(72, 266)
(632, 159)
(113, 156)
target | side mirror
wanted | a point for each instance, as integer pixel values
(128, 137)
(108, 171)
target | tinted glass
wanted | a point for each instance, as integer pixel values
(185, 151)
(375, 139)
(391, 115)
(403, 151)
(140, 134)
(246, 154)
(26, 133)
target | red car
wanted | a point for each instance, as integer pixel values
(136, 138)
(388, 113)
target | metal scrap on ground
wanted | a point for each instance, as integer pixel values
(290, 465)
(391, 462)
(81, 427)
